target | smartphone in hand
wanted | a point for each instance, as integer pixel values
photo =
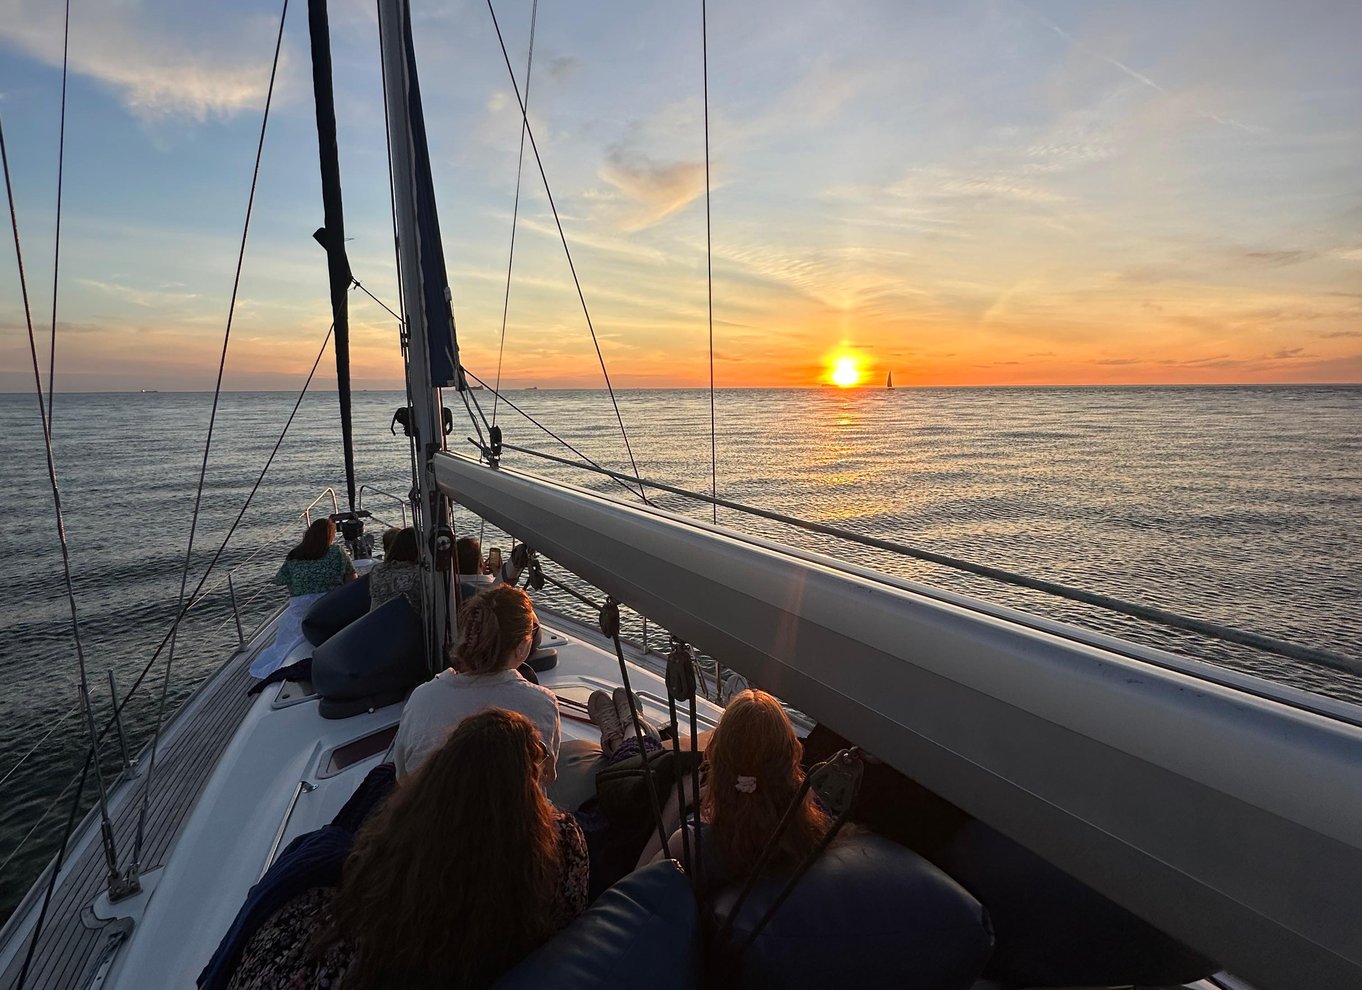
(494, 561)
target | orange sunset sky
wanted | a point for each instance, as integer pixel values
(976, 193)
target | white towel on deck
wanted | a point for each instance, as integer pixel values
(288, 633)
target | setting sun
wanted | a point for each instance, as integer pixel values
(846, 372)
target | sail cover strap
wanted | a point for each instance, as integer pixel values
(441, 340)
(332, 235)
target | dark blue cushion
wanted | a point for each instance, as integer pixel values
(642, 930)
(380, 655)
(1052, 930)
(335, 610)
(868, 913)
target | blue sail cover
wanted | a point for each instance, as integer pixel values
(444, 348)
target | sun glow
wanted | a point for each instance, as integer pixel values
(846, 372)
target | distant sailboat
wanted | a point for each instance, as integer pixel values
(889, 382)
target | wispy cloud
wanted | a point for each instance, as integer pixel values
(214, 65)
(656, 189)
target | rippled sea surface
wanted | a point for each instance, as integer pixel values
(1240, 505)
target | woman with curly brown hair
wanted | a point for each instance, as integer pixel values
(754, 773)
(498, 628)
(464, 870)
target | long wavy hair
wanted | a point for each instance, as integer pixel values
(755, 741)
(492, 624)
(317, 539)
(453, 880)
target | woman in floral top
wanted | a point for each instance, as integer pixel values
(317, 564)
(312, 568)
(464, 870)
(398, 574)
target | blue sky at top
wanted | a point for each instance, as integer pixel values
(987, 191)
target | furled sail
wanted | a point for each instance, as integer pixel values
(441, 340)
(1231, 821)
(331, 235)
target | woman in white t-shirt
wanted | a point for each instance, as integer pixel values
(498, 635)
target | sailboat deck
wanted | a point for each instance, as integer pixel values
(72, 938)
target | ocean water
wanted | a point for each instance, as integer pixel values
(1240, 505)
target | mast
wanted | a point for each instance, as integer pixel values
(431, 352)
(331, 236)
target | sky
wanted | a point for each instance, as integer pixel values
(983, 192)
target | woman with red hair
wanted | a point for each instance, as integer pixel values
(754, 774)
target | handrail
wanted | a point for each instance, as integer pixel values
(401, 502)
(306, 514)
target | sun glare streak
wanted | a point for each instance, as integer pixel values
(846, 372)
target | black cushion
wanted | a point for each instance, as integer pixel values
(868, 913)
(372, 659)
(641, 931)
(1052, 930)
(336, 609)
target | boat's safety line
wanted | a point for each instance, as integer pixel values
(1149, 613)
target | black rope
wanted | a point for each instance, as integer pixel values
(1148, 613)
(208, 439)
(709, 272)
(110, 851)
(790, 884)
(56, 869)
(568, 252)
(56, 240)
(610, 625)
(846, 761)
(515, 209)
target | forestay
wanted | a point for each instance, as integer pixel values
(1231, 821)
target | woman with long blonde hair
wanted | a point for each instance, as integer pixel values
(464, 870)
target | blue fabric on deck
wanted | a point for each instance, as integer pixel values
(311, 860)
(868, 913)
(642, 930)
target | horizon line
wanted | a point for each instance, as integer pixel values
(726, 388)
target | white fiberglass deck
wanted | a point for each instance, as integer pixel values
(238, 778)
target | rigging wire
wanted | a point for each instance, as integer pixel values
(581, 296)
(515, 209)
(222, 547)
(1148, 613)
(555, 436)
(56, 240)
(208, 439)
(709, 271)
(110, 850)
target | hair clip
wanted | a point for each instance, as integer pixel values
(746, 785)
